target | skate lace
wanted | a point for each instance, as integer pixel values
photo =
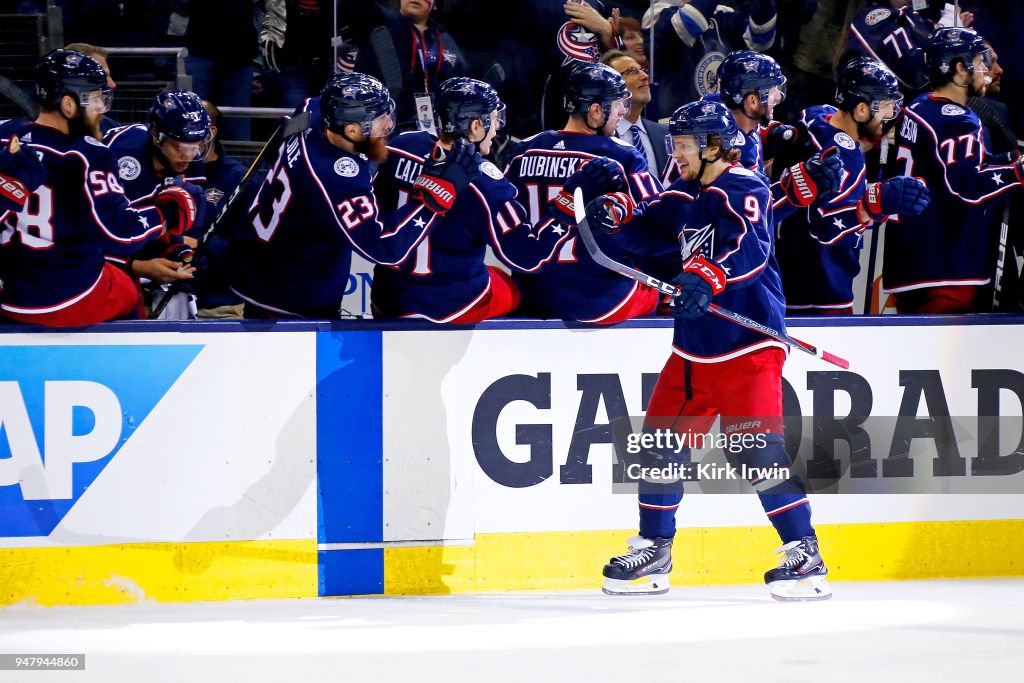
(635, 557)
(795, 555)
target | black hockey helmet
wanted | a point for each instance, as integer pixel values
(587, 84)
(462, 100)
(947, 46)
(865, 80)
(745, 71)
(66, 72)
(702, 119)
(357, 98)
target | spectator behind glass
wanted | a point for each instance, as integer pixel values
(59, 277)
(99, 55)
(646, 135)
(295, 43)
(222, 43)
(426, 52)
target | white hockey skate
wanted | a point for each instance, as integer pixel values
(801, 573)
(643, 570)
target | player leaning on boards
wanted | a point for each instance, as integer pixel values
(54, 271)
(941, 260)
(575, 287)
(291, 257)
(718, 368)
(447, 281)
(819, 249)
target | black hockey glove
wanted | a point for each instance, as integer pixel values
(609, 211)
(445, 175)
(896, 196)
(700, 280)
(596, 177)
(776, 137)
(818, 177)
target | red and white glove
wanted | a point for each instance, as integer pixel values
(819, 176)
(177, 207)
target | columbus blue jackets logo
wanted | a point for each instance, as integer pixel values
(876, 16)
(346, 167)
(845, 141)
(128, 168)
(952, 110)
(491, 171)
(705, 76)
(696, 241)
(214, 195)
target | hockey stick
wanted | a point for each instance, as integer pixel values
(387, 58)
(495, 75)
(876, 234)
(667, 288)
(287, 128)
(997, 282)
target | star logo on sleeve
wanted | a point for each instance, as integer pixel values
(998, 180)
(557, 228)
(838, 222)
(419, 222)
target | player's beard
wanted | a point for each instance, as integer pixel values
(80, 127)
(375, 149)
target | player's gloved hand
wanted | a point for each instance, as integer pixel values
(20, 173)
(896, 196)
(607, 212)
(700, 280)
(1018, 169)
(819, 176)
(776, 137)
(268, 50)
(445, 175)
(598, 176)
(1002, 158)
(179, 204)
(179, 252)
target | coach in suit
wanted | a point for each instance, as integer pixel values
(646, 135)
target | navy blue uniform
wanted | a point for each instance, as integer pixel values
(53, 250)
(574, 287)
(730, 223)
(317, 206)
(950, 242)
(447, 274)
(819, 247)
(894, 37)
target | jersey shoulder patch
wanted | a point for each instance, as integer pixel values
(128, 168)
(90, 140)
(621, 142)
(844, 140)
(877, 16)
(953, 110)
(346, 167)
(491, 171)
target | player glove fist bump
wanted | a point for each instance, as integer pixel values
(818, 177)
(445, 175)
(893, 197)
(598, 176)
(609, 211)
(700, 280)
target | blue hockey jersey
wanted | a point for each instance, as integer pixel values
(951, 241)
(894, 37)
(574, 287)
(447, 275)
(317, 206)
(52, 252)
(818, 248)
(730, 223)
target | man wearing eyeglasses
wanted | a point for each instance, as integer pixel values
(646, 135)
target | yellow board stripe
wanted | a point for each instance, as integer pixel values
(719, 555)
(164, 572)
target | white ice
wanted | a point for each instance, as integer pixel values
(901, 631)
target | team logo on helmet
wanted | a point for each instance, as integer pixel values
(705, 76)
(749, 67)
(845, 141)
(346, 167)
(876, 16)
(128, 168)
(952, 110)
(709, 109)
